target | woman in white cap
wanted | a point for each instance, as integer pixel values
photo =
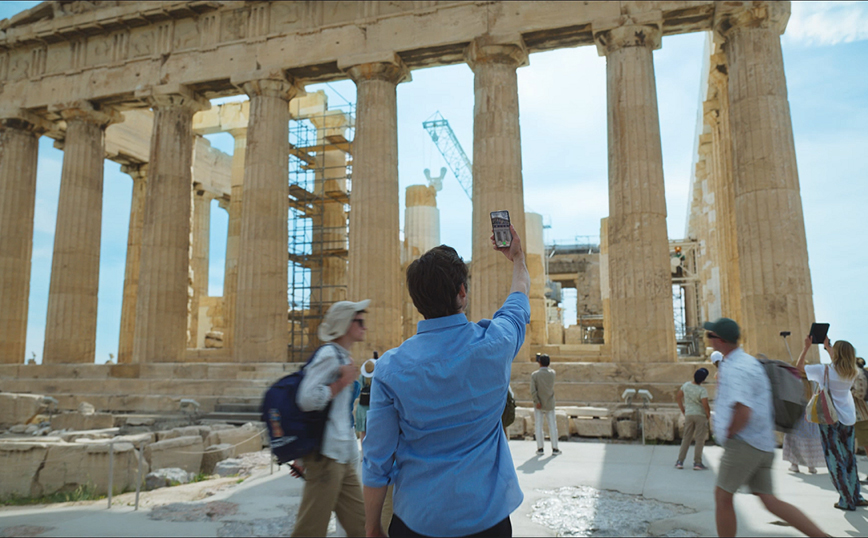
(331, 480)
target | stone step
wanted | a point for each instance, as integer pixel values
(233, 417)
(577, 393)
(670, 372)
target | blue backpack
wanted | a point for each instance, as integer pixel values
(293, 433)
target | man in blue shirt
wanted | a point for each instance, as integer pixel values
(434, 425)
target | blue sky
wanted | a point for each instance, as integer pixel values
(562, 98)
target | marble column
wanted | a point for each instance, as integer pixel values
(717, 117)
(230, 272)
(776, 288)
(70, 326)
(201, 242)
(139, 175)
(19, 151)
(375, 243)
(497, 179)
(642, 323)
(261, 304)
(161, 308)
(421, 234)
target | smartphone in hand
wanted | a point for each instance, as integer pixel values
(500, 228)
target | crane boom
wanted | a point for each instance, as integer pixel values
(447, 143)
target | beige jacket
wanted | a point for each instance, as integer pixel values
(542, 388)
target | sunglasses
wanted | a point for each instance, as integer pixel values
(712, 336)
(361, 322)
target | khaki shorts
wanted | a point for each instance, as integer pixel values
(743, 464)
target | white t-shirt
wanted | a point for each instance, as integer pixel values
(842, 399)
(743, 380)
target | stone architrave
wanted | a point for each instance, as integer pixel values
(775, 277)
(374, 244)
(497, 176)
(161, 307)
(70, 335)
(19, 152)
(261, 303)
(640, 282)
(139, 175)
(230, 272)
(201, 242)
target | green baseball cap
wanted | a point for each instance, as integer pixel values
(725, 328)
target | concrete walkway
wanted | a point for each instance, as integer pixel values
(265, 505)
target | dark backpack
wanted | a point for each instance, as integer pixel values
(508, 416)
(293, 433)
(788, 394)
(365, 395)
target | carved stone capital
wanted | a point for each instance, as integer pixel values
(732, 16)
(86, 111)
(718, 72)
(224, 203)
(488, 49)
(388, 67)
(17, 118)
(267, 83)
(173, 96)
(711, 112)
(138, 171)
(628, 35)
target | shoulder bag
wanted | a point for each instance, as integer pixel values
(820, 409)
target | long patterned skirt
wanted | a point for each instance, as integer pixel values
(803, 445)
(839, 445)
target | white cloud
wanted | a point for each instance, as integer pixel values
(827, 23)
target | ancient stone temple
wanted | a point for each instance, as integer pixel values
(132, 82)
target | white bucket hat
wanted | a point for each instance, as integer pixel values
(716, 357)
(338, 319)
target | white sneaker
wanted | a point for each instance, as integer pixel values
(794, 468)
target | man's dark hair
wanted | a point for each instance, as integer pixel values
(434, 280)
(543, 359)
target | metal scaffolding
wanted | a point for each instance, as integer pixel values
(320, 165)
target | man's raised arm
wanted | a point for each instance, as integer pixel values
(515, 254)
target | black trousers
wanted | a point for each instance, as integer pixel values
(398, 529)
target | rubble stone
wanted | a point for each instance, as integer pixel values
(660, 425)
(230, 467)
(215, 454)
(162, 478)
(182, 452)
(18, 408)
(79, 421)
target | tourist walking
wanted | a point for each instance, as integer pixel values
(803, 445)
(436, 407)
(839, 438)
(860, 391)
(331, 482)
(542, 390)
(692, 399)
(744, 424)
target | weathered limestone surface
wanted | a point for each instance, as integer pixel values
(19, 148)
(201, 242)
(375, 247)
(161, 307)
(72, 295)
(772, 249)
(214, 454)
(19, 463)
(660, 425)
(534, 253)
(139, 175)
(497, 178)
(70, 465)
(80, 421)
(640, 291)
(243, 440)
(18, 408)
(261, 298)
(230, 272)
(181, 452)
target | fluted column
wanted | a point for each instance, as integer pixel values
(19, 152)
(201, 238)
(161, 308)
(70, 326)
(717, 117)
(261, 304)
(497, 179)
(375, 246)
(421, 234)
(642, 324)
(139, 175)
(772, 250)
(230, 272)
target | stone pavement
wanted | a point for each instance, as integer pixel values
(265, 505)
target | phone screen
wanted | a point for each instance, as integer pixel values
(819, 332)
(500, 228)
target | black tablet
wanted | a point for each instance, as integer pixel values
(819, 332)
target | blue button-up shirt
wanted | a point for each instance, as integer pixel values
(434, 427)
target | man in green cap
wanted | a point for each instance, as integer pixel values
(744, 424)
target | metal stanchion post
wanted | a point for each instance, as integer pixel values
(272, 465)
(139, 480)
(111, 471)
(642, 412)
